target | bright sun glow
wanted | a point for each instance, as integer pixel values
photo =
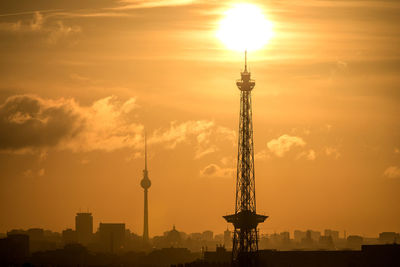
(244, 27)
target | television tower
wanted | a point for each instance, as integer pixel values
(145, 183)
(245, 219)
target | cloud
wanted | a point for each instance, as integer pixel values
(43, 155)
(28, 173)
(134, 155)
(284, 143)
(29, 121)
(201, 152)
(10, 26)
(135, 4)
(91, 14)
(203, 134)
(41, 172)
(180, 132)
(49, 30)
(37, 21)
(309, 155)
(213, 170)
(61, 32)
(32, 123)
(392, 172)
(262, 155)
(228, 160)
(331, 151)
(109, 125)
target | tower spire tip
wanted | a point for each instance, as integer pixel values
(245, 60)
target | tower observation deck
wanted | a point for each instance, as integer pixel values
(145, 183)
(245, 219)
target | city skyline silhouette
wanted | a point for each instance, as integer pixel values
(81, 80)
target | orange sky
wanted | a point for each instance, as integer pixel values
(79, 81)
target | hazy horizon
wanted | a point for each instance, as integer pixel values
(81, 80)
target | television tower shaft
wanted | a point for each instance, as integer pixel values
(245, 219)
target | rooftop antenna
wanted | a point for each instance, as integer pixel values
(245, 60)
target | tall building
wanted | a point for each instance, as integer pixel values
(112, 236)
(299, 235)
(208, 235)
(332, 233)
(84, 227)
(245, 219)
(227, 238)
(145, 183)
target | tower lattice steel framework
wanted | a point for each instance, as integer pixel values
(245, 219)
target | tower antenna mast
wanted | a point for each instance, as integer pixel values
(245, 60)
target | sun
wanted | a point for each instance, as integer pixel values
(244, 27)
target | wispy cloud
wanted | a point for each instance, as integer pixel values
(29, 12)
(92, 14)
(262, 155)
(392, 172)
(332, 152)
(213, 170)
(51, 31)
(309, 155)
(180, 132)
(37, 21)
(135, 4)
(284, 143)
(61, 32)
(203, 134)
(29, 173)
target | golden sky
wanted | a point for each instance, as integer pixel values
(80, 80)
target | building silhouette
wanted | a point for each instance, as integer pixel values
(245, 219)
(173, 237)
(354, 242)
(112, 236)
(227, 238)
(14, 249)
(84, 227)
(69, 236)
(389, 237)
(145, 183)
(332, 233)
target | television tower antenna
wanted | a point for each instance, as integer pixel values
(245, 219)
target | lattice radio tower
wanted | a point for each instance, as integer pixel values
(245, 219)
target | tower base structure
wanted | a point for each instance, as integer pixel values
(245, 237)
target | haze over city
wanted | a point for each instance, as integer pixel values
(81, 81)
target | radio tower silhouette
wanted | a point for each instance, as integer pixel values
(245, 219)
(145, 183)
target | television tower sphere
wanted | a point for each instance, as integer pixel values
(145, 182)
